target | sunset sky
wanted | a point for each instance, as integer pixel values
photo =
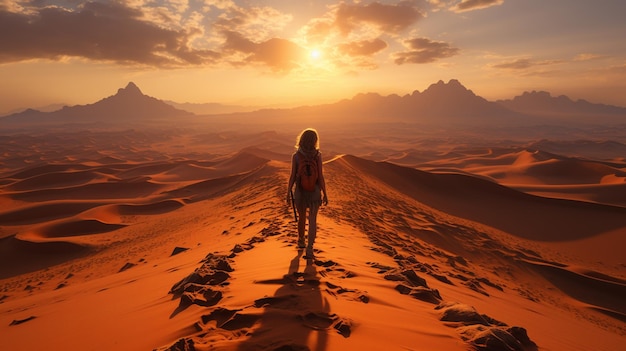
(286, 53)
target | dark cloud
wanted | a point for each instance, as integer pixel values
(97, 31)
(278, 54)
(363, 47)
(388, 18)
(423, 50)
(469, 5)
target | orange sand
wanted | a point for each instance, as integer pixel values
(431, 250)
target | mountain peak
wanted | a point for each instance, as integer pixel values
(453, 82)
(131, 90)
(453, 88)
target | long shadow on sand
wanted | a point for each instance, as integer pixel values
(297, 316)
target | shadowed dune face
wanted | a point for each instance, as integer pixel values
(527, 216)
(539, 172)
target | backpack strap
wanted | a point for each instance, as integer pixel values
(300, 153)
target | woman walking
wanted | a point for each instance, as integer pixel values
(310, 194)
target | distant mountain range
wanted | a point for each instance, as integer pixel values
(441, 103)
(129, 104)
(542, 103)
(447, 104)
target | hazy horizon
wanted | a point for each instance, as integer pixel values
(229, 108)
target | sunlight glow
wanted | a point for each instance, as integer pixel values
(315, 54)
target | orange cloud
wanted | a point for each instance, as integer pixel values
(470, 5)
(362, 47)
(258, 22)
(524, 63)
(388, 18)
(278, 54)
(516, 64)
(423, 50)
(318, 30)
(588, 57)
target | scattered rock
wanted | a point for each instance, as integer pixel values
(284, 301)
(220, 315)
(475, 285)
(453, 260)
(343, 327)
(319, 320)
(394, 277)
(20, 321)
(240, 321)
(485, 338)
(213, 272)
(223, 265)
(178, 250)
(328, 263)
(381, 268)
(441, 278)
(461, 314)
(230, 319)
(128, 265)
(414, 279)
(184, 344)
(483, 332)
(403, 289)
(490, 283)
(426, 295)
(200, 295)
(420, 293)
(521, 335)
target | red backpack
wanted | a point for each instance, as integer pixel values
(308, 171)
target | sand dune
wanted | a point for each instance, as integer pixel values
(73, 228)
(537, 172)
(19, 256)
(56, 180)
(31, 214)
(604, 294)
(151, 208)
(527, 216)
(158, 243)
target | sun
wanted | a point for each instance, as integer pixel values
(315, 54)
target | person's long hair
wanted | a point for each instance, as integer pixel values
(308, 140)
